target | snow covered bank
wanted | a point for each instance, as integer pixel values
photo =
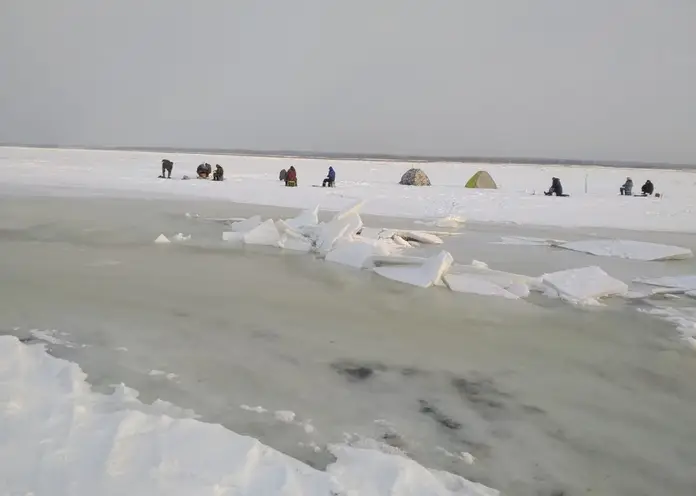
(255, 180)
(60, 438)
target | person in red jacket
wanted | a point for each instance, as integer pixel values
(291, 177)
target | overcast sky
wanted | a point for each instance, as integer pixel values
(591, 79)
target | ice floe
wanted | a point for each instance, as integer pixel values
(424, 276)
(307, 218)
(353, 209)
(246, 225)
(295, 242)
(344, 240)
(685, 283)
(628, 249)
(359, 253)
(233, 236)
(265, 234)
(182, 237)
(528, 241)
(50, 412)
(162, 240)
(478, 278)
(466, 283)
(683, 318)
(585, 285)
(451, 221)
(420, 237)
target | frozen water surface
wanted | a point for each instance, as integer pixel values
(547, 398)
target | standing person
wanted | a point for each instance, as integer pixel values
(648, 188)
(167, 166)
(219, 173)
(627, 188)
(291, 177)
(330, 179)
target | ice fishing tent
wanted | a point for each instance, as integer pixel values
(481, 180)
(415, 177)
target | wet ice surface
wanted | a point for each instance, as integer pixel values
(548, 399)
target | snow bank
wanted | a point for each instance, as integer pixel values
(61, 439)
(121, 173)
(584, 285)
(624, 248)
(360, 466)
(424, 276)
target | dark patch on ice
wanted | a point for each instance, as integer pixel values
(265, 334)
(438, 416)
(532, 409)
(180, 313)
(412, 371)
(480, 393)
(357, 372)
(394, 440)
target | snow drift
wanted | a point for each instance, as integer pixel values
(59, 438)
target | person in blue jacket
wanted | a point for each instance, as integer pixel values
(330, 179)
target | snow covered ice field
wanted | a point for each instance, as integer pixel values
(548, 398)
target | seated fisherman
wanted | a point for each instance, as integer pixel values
(648, 188)
(219, 173)
(556, 188)
(291, 177)
(627, 188)
(330, 179)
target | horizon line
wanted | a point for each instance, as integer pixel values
(300, 154)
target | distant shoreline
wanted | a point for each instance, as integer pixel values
(372, 156)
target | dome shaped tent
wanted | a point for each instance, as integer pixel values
(415, 177)
(481, 180)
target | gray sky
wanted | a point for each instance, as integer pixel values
(610, 79)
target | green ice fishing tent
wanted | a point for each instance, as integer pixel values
(481, 180)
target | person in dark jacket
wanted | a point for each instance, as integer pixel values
(219, 173)
(291, 177)
(627, 188)
(330, 179)
(204, 171)
(648, 188)
(167, 166)
(556, 188)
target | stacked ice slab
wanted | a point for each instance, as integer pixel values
(346, 241)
